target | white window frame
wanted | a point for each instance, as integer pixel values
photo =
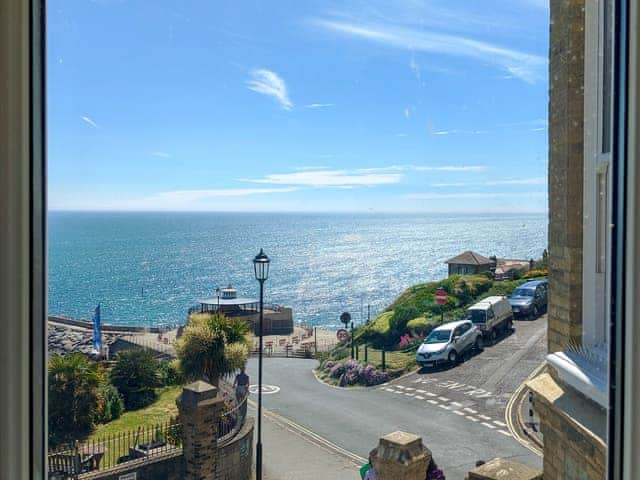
(585, 366)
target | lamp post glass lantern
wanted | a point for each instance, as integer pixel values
(261, 270)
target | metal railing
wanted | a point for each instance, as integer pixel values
(232, 421)
(70, 460)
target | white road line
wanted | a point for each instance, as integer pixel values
(444, 399)
(409, 394)
(445, 407)
(432, 402)
(456, 404)
(390, 390)
(484, 417)
(419, 397)
(504, 433)
(488, 425)
(409, 388)
(473, 419)
(499, 423)
(458, 412)
(470, 410)
(429, 394)
(399, 391)
(420, 391)
(400, 386)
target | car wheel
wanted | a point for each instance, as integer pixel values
(536, 312)
(453, 357)
(479, 345)
(509, 325)
(493, 335)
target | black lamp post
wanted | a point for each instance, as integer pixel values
(261, 269)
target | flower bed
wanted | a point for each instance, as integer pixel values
(351, 372)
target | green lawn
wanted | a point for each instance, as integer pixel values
(393, 360)
(134, 427)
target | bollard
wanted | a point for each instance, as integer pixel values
(357, 351)
(366, 353)
(384, 363)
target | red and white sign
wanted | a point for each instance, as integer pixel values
(342, 335)
(441, 296)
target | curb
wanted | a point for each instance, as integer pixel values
(528, 440)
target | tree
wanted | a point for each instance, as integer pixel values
(135, 377)
(213, 346)
(401, 316)
(74, 400)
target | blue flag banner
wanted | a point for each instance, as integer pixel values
(97, 330)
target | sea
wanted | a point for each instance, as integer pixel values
(147, 269)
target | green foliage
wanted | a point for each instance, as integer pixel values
(74, 400)
(504, 287)
(169, 373)
(421, 325)
(376, 332)
(112, 404)
(213, 346)
(536, 273)
(401, 316)
(135, 375)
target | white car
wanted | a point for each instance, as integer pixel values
(448, 342)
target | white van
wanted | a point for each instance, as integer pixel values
(492, 316)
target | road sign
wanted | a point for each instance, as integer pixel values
(441, 296)
(342, 335)
(345, 318)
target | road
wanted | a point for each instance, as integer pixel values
(459, 411)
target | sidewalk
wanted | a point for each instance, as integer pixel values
(290, 452)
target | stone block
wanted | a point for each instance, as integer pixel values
(400, 456)
(500, 469)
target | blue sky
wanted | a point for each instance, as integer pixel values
(377, 105)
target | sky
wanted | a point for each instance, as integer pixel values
(311, 106)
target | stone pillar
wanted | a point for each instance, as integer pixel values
(400, 456)
(500, 469)
(200, 409)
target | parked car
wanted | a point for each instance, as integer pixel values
(492, 316)
(530, 299)
(448, 342)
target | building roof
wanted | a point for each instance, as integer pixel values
(228, 301)
(470, 258)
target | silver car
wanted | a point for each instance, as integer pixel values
(448, 342)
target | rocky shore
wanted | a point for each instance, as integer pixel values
(63, 340)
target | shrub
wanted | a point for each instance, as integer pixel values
(420, 326)
(135, 377)
(536, 273)
(169, 373)
(112, 404)
(355, 373)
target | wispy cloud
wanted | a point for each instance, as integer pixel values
(271, 84)
(471, 196)
(319, 105)
(188, 196)
(450, 168)
(329, 178)
(492, 183)
(161, 154)
(527, 67)
(89, 120)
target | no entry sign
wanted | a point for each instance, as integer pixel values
(441, 296)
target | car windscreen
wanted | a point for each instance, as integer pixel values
(523, 292)
(438, 336)
(477, 316)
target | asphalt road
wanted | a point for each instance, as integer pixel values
(458, 411)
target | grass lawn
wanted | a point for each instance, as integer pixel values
(393, 360)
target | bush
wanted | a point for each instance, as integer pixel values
(536, 273)
(355, 373)
(420, 326)
(401, 316)
(135, 377)
(169, 373)
(112, 404)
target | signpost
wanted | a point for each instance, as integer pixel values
(441, 299)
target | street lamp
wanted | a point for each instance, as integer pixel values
(261, 269)
(218, 294)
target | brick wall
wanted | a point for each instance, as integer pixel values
(566, 119)
(168, 466)
(235, 457)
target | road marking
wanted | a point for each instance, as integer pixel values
(470, 410)
(499, 423)
(445, 407)
(473, 419)
(429, 394)
(444, 399)
(266, 389)
(484, 417)
(409, 388)
(419, 397)
(432, 402)
(458, 412)
(400, 386)
(420, 391)
(456, 404)
(409, 394)
(488, 425)
(504, 433)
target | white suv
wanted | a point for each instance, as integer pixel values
(448, 342)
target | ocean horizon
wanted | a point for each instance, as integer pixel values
(148, 268)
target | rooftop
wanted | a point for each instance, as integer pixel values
(470, 258)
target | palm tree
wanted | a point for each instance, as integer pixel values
(74, 398)
(213, 346)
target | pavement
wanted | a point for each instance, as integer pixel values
(458, 411)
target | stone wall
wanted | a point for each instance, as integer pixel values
(235, 456)
(566, 125)
(168, 466)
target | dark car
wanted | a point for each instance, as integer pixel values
(529, 300)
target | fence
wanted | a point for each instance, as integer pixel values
(232, 421)
(70, 460)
